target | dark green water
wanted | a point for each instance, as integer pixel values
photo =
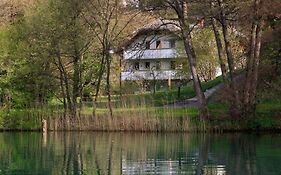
(118, 153)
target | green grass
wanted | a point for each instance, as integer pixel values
(268, 115)
(170, 96)
(218, 110)
(155, 111)
(269, 107)
(160, 98)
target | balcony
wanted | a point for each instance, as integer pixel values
(149, 75)
(150, 54)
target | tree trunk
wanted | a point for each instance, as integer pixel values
(181, 9)
(196, 82)
(67, 87)
(81, 84)
(65, 80)
(220, 52)
(108, 86)
(256, 67)
(101, 72)
(249, 69)
(234, 109)
(63, 94)
(76, 81)
(120, 78)
(249, 100)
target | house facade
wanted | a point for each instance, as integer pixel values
(152, 54)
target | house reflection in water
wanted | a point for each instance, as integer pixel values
(182, 166)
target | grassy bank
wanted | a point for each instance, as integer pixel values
(142, 113)
(143, 119)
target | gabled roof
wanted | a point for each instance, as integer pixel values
(160, 25)
(157, 26)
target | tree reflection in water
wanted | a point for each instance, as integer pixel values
(138, 153)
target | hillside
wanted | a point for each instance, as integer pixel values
(9, 9)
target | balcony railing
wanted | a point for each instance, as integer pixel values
(149, 75)
(150, 54)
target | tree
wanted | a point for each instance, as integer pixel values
(238, 15)
(110, 22)
(260, 14)
(50, 49)
(180, 7)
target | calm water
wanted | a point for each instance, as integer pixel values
(118, 153)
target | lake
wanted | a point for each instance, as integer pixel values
(90, 153)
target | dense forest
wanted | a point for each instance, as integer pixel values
(59, 55)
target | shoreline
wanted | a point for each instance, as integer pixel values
(210, 131)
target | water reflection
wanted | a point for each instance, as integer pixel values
(119, 153)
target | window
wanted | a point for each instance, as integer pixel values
(173, 65)
(172, 43)
(158, 65)
(158, 44)
(137, 66)
(147, 45)
(147, 65)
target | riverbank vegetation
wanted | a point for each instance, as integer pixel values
(58, 62)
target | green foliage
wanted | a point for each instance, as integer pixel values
(32, 73)
(207, 62)
(4, 65)
(205, 48)
(17, 119)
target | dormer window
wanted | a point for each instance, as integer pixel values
(172, 43)
(158, 44)
(147, 45)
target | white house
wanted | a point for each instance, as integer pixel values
(130, 2)
(152, 53)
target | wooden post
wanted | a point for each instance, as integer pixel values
(170, 82)
(44, 126)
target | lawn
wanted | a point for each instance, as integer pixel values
(160, 98)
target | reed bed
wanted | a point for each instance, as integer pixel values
(133, 115)
(136, 123)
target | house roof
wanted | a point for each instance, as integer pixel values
(157, 26)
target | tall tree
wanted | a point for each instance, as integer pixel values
(110, 22)
(180, 7)
(225, 11)
(259, 16)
